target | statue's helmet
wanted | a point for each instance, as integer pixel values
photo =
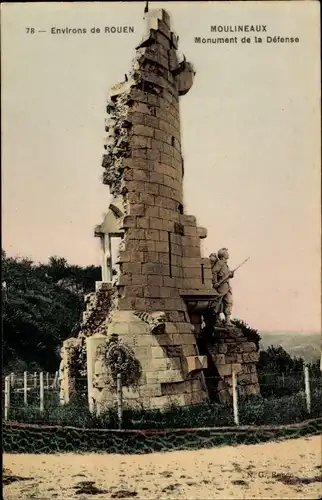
(222, 252)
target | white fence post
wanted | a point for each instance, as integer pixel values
(119, 399)
(235, 398)
(35, 380)
(12, 379)
(55, 382)
(47, 381)
(307, 388)
(41, 393)
(25, 388)
(7, 381)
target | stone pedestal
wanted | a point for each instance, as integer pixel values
(65, 376)
(231, 351)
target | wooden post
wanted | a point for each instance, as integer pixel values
(307, 388)
(7, 396)
(119, 400)
(55, 383)
(25, 388)
(47, 381)
(12, 379)
(235, 398)
(35, 380)
(41, 393)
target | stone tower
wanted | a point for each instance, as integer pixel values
(155, 282)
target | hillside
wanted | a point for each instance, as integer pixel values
(306, 345)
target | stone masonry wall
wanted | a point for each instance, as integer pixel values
(160, 254)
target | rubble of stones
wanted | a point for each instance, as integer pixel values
(98, 307)
(152, 74)
(117, 143)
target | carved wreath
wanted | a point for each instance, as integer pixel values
(120, 359)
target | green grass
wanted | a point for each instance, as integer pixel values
(254, 410)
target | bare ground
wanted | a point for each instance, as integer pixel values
(286, 470)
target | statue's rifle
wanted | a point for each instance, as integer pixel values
(228, 275)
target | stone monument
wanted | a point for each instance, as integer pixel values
(157, 292)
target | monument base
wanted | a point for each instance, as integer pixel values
(231, 351)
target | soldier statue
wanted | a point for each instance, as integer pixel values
(221, 274)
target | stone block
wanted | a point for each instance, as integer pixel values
(152, 268)
(152, 234)
(224, 370)
(131, 267)
(170, 376)
(141, 141)
(162, 246)
(202, 232)
(152, 291)
(151, 188)
(142, 223)
(232, 358)
(177, 399)
(192, 272)
(168, 389)
(152, 155)
(191, 241)
(137, 209)
(134, 291)
(219, 359)
(188, 220)
(191, 262)
(252, 389)
(191, 251)
(196, 363)
(176, 316)
(156, 177)
(151, 211)
(222, 349)
(244, 379)
(139, 279)
(158, 352)
(143, 130)
(165, 292)
(135, 234)
(155, 223)
(151, 390)
(126, 303)
(141, 304)
(248, 346)
(146, 198)
(164, 258)
(169, 282)
(170, 304)
(159, 402)
(251, 357)
(155, 304)
(151, 121)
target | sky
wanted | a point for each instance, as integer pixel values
(250, 130)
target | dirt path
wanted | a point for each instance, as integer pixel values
(288, 469)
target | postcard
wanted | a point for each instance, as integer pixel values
(161, 257)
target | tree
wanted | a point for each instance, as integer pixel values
(42, 303)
